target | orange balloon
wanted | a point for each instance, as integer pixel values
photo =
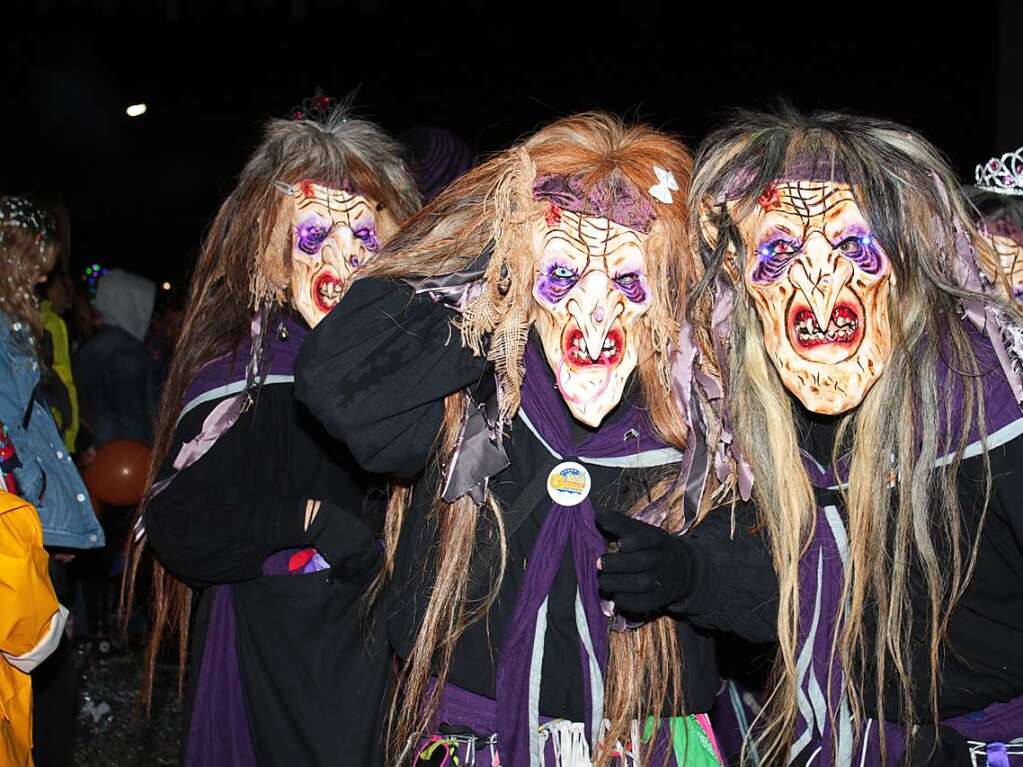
(118, 475)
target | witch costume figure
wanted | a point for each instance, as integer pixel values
(872, 371)
(252, 506)
(511, 354)
(997, 199)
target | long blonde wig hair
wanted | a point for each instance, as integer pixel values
(910, 198)
(493, 205)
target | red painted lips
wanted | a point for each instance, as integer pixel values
(845, 328)
(577, 356)
(327, 289)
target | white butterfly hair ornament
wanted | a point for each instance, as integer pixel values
(666, 184)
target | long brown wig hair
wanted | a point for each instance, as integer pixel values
(28, 251)
(493, 204)
(910, 198)
(245, 264)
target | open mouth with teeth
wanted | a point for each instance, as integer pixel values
(845, 329)
(327, 290)
(577, 356)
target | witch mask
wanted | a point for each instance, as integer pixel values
(1007, 243)
(590, 290)
(820, 282)
(334, 232)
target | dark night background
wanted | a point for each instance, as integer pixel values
(141, 191)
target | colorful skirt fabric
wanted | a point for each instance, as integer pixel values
(466, 737)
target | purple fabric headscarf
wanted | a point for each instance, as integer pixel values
(614, 198)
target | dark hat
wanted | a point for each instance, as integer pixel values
(436, 156)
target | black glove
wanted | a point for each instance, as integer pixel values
(345, 540)
(651, 571)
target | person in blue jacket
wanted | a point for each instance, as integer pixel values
(47, 475)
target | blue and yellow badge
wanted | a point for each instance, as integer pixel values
(568, 483)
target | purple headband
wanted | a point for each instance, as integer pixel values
(614, 198)
(806, 168)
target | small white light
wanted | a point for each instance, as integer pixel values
(136, 110)
(166, 286)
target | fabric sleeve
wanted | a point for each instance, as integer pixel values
(345, 540)
(28, 604)
(376, 371)
(734, 586)
(217, 521)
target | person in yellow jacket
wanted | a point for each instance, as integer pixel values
(57, 355)
(31, 623)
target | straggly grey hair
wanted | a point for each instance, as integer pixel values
(336, 150)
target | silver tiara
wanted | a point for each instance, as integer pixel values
(1002, 175)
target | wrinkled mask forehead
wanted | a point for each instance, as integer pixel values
(334, 232)
(590, 290)
(340, 206)
(819, 279)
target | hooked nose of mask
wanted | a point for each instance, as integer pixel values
(595, 307)
(819, 274)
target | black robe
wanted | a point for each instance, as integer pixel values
(313, 690)
(375, 372)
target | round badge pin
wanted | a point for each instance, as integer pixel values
(568, 483)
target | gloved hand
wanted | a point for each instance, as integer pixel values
(343, 539)
(650, 571)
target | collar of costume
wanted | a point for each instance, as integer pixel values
(520, 664)
(614, 198)
(270, 354)
(276, 343)
(457, 289)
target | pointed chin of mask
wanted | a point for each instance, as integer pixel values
(591, 381)
(317, 292)
(827, 357)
